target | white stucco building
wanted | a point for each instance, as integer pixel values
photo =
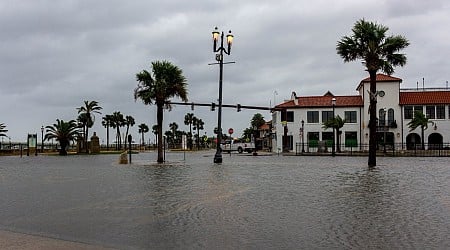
(300, 119)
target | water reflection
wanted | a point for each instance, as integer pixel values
(246, 202)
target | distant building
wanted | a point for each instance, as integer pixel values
(395, 108)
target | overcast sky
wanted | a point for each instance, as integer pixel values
(56, 54)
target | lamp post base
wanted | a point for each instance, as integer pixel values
(218, 158)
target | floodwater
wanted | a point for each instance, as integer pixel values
(263, 202)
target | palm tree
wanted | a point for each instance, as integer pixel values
(420, 120)
(257, 120)
(83, 123)
(3, 130)
(63, 132)
(198, 125)
(88, 110)
(336, 123)
(106, 122)
(173, 129)
(129, 122)
(378, 52)
(155, 132)
(143, 128)
(167, 81)
(117, 121)
(189, 120)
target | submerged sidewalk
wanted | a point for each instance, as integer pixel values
(11, 240)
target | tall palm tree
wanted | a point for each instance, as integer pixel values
(143, 128)
(89, 109)
(198, 125)
(63, 132)
(165, 81)
(378, 51)
(336, 123)
(106, 122)
(420, 120)
(189, 120)
(155, 132)
(173, 129)
(128, 122)
(3, 130)
(117, 121)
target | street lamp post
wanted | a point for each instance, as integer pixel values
(219, 58)
(303, 136)
(333, 151)
(42, 139)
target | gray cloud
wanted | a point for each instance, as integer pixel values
(56, 54)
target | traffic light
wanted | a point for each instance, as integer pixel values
(238, 108)
(213, 106)
(192, 106)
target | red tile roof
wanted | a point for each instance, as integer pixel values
(383, 78)
(425, 97)
(380, 78)
(323, 101)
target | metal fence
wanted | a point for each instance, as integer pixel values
(393, 149)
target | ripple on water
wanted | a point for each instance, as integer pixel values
(245, 202)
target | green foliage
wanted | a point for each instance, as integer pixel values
(420, 120)
(336, 123)
(257, 121)
(86, 117)
(3, 129)
(142, 129)
(377, 51)
(166, 81)
(63, 132)
(370, 43)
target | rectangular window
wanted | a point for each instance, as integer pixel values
(440, 112)
(430, 112)
(418, 108)
(290, 116)
(313, 139)
(408, 112)
(289, 141)
(326, 116)
(312, 116)
(351, 139)
(328, 138)
(350, 116)
(287, 116)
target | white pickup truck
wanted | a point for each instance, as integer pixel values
(236, 145)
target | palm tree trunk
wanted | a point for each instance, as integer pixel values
(190, 135)
(63, 151)
(118, 139)
(423, 135)
(338, 141)
(107, 137)
(159, 118)
(198, 138)
(86, 140)
(372, 120)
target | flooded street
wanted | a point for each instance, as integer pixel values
(263, 202)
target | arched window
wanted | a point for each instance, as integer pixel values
(390, 117)
(381, 117)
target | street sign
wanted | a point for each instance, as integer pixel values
(230, 131)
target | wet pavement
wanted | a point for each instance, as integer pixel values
(262, 202)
